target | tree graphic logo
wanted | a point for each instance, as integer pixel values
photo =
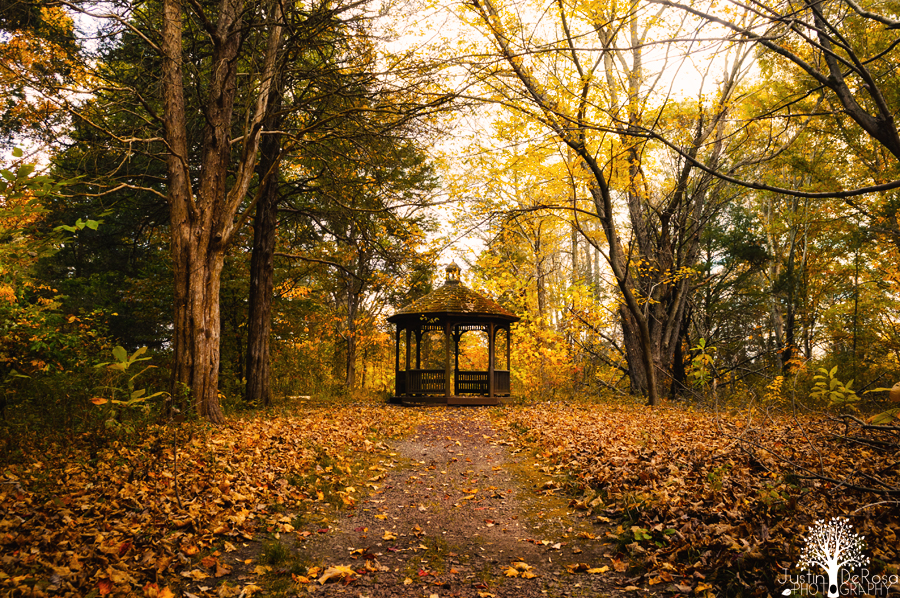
(830, 546)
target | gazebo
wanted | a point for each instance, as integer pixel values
(451, 310)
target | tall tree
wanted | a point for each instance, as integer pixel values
(348, 150)
(599, 99)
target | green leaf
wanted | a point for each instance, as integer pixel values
(17, 152)
(832, 372)
(884, 417)
(92, 224)
(120, 354)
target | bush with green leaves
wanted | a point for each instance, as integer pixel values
(122, 395)
(833, 392)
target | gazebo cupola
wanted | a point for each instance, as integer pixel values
(450, 311)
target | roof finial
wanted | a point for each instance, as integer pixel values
(452, 273)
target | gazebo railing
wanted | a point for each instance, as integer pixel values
(425, 382)
(476, 383)
(471, 383)
(431, 382)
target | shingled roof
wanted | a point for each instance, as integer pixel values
(454, 299)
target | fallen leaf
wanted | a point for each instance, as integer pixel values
(335, 573)
(577, 567)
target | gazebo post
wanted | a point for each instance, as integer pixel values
(418, 346)
(508, 344)
(447, 371)
(456, 336)
(397, 363)
(491, 335)
(408, 336)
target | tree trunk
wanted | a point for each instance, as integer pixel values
(634, 353)
(352, 309)
(197, 327)
(262, 264)
(204, 222)
(262, 277)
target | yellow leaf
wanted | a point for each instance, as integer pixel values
(335, 573)
(596, 570)
(511, 572)
(389, 536)
(407, 582)
(117, 576)
(382, 516)
(261, 570)
(528, 575)
(99, 401)
(227, 590)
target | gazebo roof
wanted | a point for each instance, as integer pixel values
(454, 299)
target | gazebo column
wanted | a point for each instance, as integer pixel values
(448, 372)
(408, 337)
(397, 363)
(456, 336)
(508, 345)
(491, 339)
(418, 349)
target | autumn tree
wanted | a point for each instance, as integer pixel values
(833, 65)
(220, 67)
(38, 66)
(598, 98)
(346, 159)
(366, 219)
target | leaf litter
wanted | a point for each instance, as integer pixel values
(715, 503)
(580, 499)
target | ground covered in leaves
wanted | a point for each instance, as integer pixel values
(366, 499)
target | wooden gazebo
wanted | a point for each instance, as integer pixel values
(452, 310)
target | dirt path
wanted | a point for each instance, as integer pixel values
(455, 513)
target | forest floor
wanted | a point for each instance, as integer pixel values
(580, 498)
(455, 513)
